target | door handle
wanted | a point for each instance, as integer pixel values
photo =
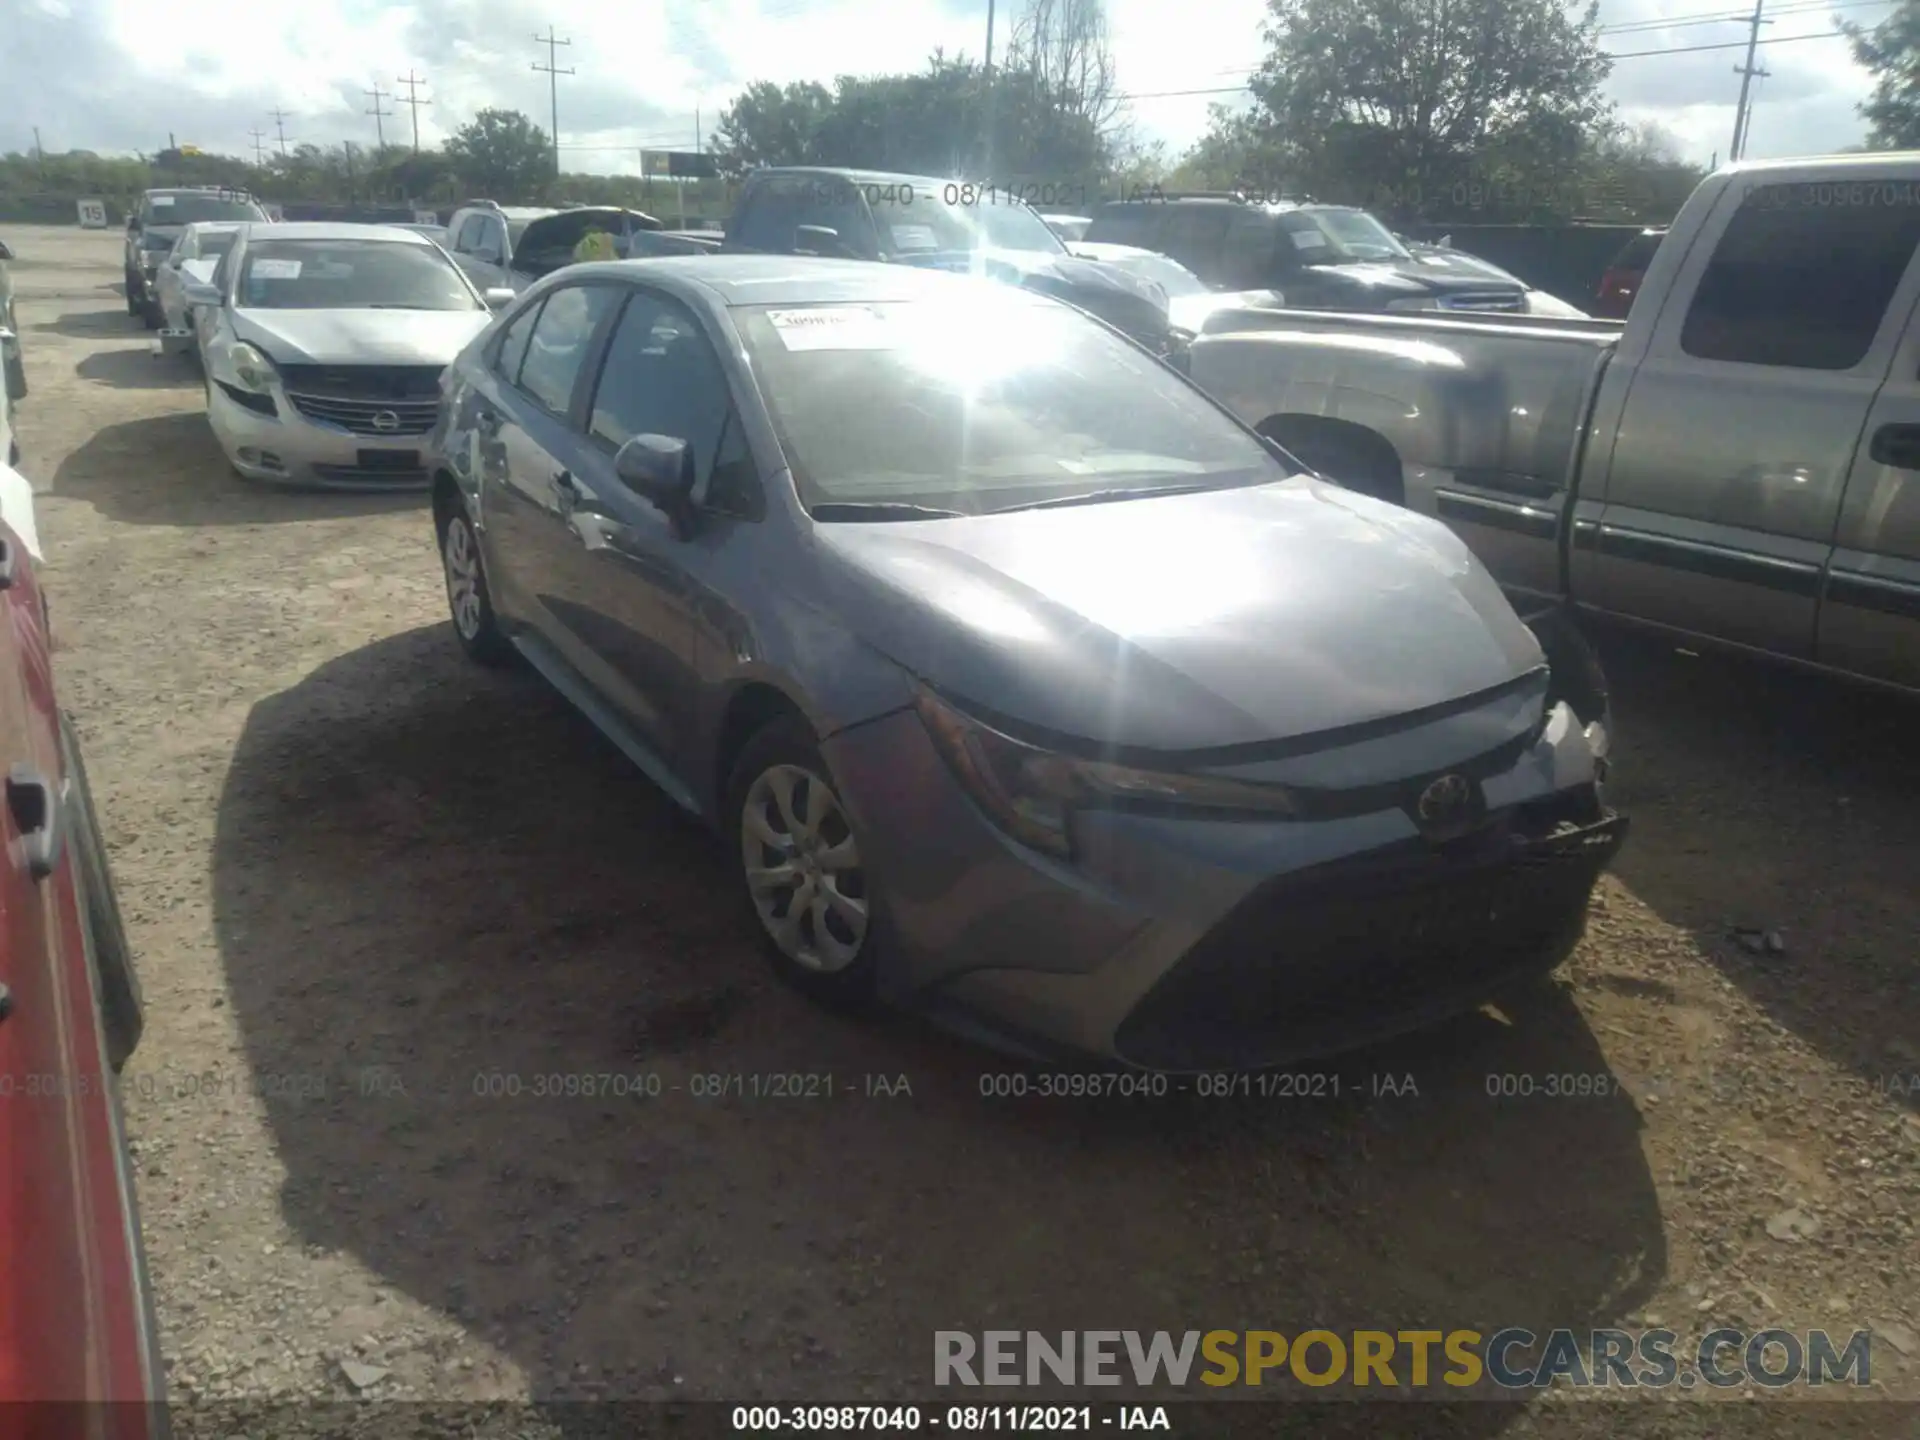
(1897, 445)
(34, 804)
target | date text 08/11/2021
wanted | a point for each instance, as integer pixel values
(959, 1419)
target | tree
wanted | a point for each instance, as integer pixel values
(1396, 102)
(502, 153)
(1063, 47)
(1891, 52)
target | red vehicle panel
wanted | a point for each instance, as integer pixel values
(75, 1313)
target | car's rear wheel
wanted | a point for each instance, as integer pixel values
(801, 865)
(468, 599)
(133, 294)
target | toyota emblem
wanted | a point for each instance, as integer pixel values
(1447, 801)
(385, 420)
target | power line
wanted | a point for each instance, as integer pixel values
(414, 102)
(280, 124)
(1727, 17)
(379, 115)
(553, 75)
(1727, 45)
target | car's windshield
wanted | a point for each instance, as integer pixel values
(350, 275)
(920, 218)
(515, 229)
(186, 207)
(1170, 275)
(987, 399)
(212, 247)
(1337, 237)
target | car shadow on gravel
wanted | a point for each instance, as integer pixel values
(518, 1048)
(1769, 800)
(95, 324)
(139, 369)
(168, 470)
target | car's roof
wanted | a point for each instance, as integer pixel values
(859, 177)
(336, 230)
(739, 279)
(209, 227)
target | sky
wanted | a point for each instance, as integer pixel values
(125, 75)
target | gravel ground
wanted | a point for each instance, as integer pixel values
(369, 884)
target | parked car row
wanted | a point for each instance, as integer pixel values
(157, 222)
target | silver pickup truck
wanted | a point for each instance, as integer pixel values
(1737, 463)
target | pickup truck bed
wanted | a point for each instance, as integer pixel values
(1738, 462)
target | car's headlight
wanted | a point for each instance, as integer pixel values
(1599, 743)
(253, 370)
(1414, 302)
(1032, 793)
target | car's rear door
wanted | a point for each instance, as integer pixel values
(531, 496)
(1739, 422)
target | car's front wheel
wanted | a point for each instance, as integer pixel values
(133, 294)
(801, 866)
(468, 599)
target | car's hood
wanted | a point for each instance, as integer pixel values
(1187, 622)
(1376, 282)
(1190, 312)
(1123, 300)
(360, 337)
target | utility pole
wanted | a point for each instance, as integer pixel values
(414, 102)
(553, 87)
(1746, 73)
(988, 79)
(353, 196)
(259, 149)
(379, 115)
(39, 153)
(280, 125)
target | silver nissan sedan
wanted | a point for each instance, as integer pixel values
(1025, 686)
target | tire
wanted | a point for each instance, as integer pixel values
(827, 954)
(150, 315)
(133, 295)
(469, 602)
(122, 1008)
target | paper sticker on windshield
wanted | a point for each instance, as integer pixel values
(836, 327)
(267, 268)
(160, 202)
(914, 237)
(1308, 239)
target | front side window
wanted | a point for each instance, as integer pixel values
(988, 399)
(350, 274)
(558, 345)
(1798, 281)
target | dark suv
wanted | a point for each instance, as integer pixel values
(1319, 257)
(940, 225)
(157, 222)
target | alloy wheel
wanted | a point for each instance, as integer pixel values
(803, 869)
(462, 559)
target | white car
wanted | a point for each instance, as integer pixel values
(194, 255)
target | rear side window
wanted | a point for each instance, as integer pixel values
(1637, 253)
(558, 345)
(1195, 236)
(768, 218)
(513, 343)
(1799, 281)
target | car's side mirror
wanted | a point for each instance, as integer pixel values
(198, 292)
(133, 224)
(659, 469)
(820, 240)
(496, 296)
(6, 251)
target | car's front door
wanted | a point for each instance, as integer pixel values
(629, 585)
(527, 509)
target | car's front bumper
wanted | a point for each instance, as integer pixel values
(1191, 944)
(288, 448)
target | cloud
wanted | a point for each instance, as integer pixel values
(124, 75)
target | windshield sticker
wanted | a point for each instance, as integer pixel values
(160, 202)
(914, 237)
(267, 268)
(839, 327)
(1308, 239)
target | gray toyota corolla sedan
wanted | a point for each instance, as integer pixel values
(1024, 685)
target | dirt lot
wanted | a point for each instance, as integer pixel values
(368, 882)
